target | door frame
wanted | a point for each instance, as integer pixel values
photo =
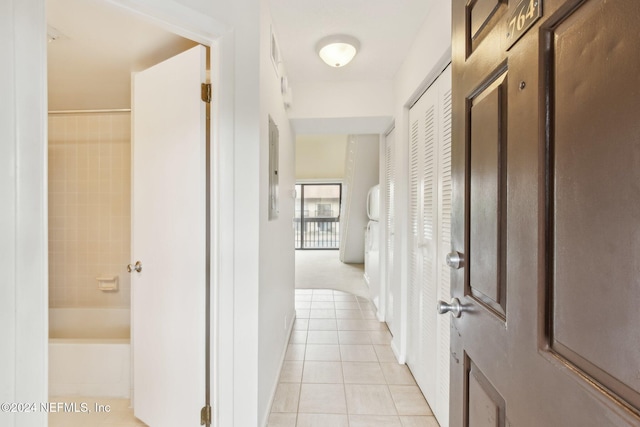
(216, 35)
(200, 28)
(23, 212)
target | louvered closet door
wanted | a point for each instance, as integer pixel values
(421, 356)
(430, 201)
(414, 329)
(392, 287)
(441, 405)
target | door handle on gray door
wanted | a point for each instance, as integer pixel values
(455, 260)
(455, 308)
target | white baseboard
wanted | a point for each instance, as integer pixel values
(396, 352)
(265, 420)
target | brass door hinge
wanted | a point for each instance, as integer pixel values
(205, 92)
(205, 415)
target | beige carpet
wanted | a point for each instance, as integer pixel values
(324, 270)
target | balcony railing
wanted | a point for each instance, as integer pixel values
(317, 233)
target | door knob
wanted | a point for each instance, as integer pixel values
(455, 260)
(137, 267)
(454, 308)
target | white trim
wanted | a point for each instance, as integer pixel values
(319, 181)
(23, 212)
(391, 128)
(115, 110)
(430, 78)
(396, 352)
(176, 18)
(222, 66)
(265, 419)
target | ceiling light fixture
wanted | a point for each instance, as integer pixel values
(337, 50)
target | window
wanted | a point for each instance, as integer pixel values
(317, 219)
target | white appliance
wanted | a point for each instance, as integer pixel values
(373, 203)
(372, 245)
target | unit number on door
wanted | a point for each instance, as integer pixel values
(524, 16)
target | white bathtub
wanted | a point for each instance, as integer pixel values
(89, 352)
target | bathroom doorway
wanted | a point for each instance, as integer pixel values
(89, 201)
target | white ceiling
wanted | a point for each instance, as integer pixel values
(90, 64)
(385, 29)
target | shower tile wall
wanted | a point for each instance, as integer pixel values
(89, 208)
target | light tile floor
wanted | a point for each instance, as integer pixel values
(339, 370)
(119, 414)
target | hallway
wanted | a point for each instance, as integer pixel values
(319, 269)
(340, 371)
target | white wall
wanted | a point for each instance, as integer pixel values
(23, 205)
(204, 7)
(244, 156)
(320, 157)
(321, 99)
(353, 107)
(429, 55)
(276, 254)
(361, 173)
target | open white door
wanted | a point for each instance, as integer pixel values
(168, 238)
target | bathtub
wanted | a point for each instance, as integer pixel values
(89, 352)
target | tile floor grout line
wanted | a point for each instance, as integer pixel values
(344, 386)
(346, 329)
(304, 362)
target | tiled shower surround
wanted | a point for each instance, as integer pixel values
(89, 208)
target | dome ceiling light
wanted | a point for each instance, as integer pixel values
(337, 50)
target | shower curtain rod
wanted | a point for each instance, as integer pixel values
(115, 110)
